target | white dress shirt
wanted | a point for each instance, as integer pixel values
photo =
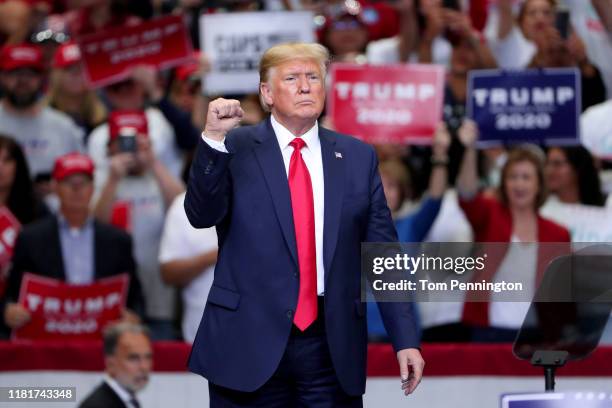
(121, 392)
(311, 154)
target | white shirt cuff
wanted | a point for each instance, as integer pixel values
(215, 144)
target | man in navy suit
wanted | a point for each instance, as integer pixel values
(284, 324)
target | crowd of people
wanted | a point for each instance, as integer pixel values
(90, 205)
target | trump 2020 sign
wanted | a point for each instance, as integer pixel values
(539, 106)
(387, 103)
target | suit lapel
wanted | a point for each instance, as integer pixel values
(333, 175)
(271, 162)
(54, 252)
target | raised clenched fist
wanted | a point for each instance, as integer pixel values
(222, 116)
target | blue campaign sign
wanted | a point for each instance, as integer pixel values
(536, 105)
(558, 400)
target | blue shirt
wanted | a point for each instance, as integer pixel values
(77, 251)
(412, 228)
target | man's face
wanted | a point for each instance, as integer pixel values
(132, 361)
(75, 192)
(295, 91)
(126, 95)
(22, 86)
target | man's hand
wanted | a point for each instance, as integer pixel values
(120, 165)
(411, 366)
(441, 141)
(434, 20)
(144, 152)
(223, 115)
(468, 133)
(15, 315)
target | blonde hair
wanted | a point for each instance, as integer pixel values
(281, 53)
(92, 109)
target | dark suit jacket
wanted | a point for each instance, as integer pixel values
(102, 397)
(38, 250)
(249, 312)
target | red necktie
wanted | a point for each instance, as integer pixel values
(302, 204)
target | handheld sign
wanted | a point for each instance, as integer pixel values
(70, 312)
(235, 53)
(9, 228)
(538, 106)
(587, 399)
(387, 103)
(109, 55)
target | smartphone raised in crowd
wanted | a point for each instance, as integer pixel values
(562, 21)
(451, 4)
(125, 126)
(127, 140)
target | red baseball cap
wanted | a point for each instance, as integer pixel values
(66, 55)
(187, 70)
(72, 163)
(120, 119)
(21, 56)
(380, 19)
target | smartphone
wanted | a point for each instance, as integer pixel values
(124, 126)
(127, 140)
(451, 4)
(562, 21)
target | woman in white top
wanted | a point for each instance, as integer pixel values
(532, 41)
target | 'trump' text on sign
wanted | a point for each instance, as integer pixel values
(392, 103)
(70, 312)
(539, 106)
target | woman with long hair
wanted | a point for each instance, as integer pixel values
(16, 187)
(532, 40)
(511, 217)
(572, 177)
(68, 90)
(16, 195)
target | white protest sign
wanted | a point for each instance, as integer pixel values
(234, 43)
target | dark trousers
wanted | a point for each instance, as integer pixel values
(305, 378)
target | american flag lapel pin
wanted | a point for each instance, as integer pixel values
(338, 155)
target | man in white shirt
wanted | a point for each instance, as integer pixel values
(292, 201)
(187, 258)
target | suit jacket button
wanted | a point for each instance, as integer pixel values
(290, 314)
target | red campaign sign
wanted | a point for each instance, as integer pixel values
(61, 311)
(9, 228)
(109, 55)
(121, 215)
(387, 103)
